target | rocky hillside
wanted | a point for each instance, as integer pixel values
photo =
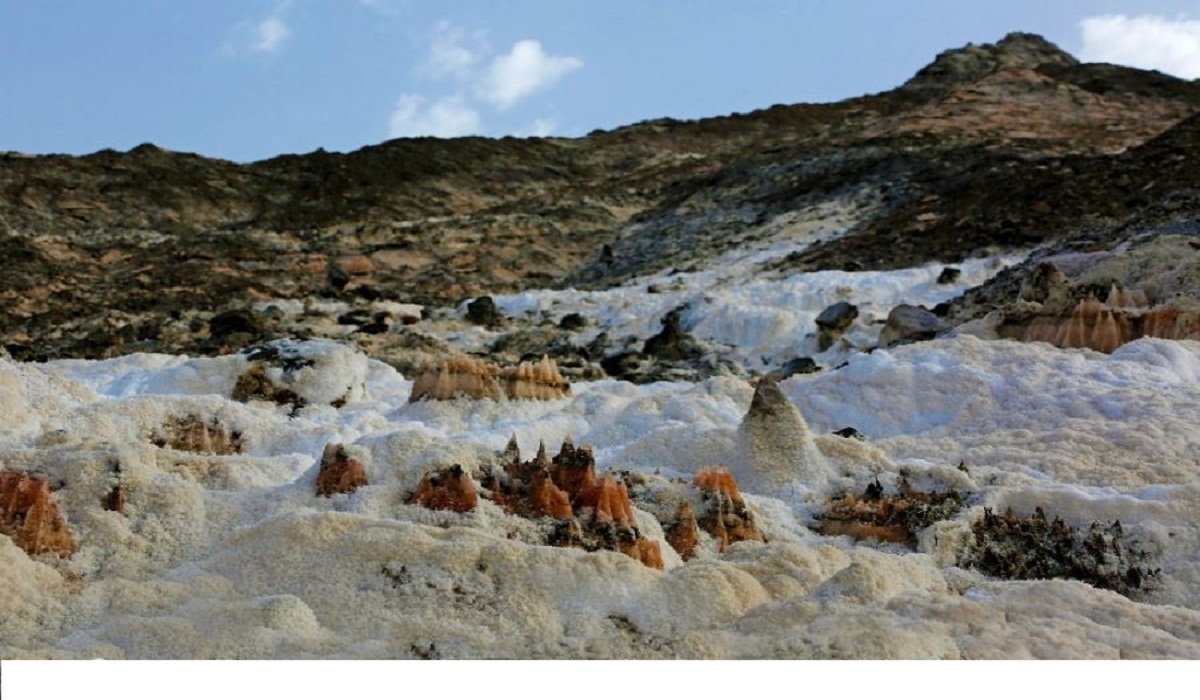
(998, 146)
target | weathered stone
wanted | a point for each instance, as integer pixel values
(482, 311)
(910, 324)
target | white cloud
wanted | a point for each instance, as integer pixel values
(543, 127)
(1145, 41)
(270, 34)
(265, 36)
(446, 118)
(448, 56)
(524, 70)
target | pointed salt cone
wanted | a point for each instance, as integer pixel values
(775, 449)
(1127, 298)
(543, 459)
(512, 451)
(1106, 335)
(1077, 331)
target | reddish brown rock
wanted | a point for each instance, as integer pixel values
(609, 501)
(448, 489)
(682, 532)
(339, 473)
(114, 500)
(546, 499)
(645, 551)
(29, 515)
(718, 480)
(574, 470)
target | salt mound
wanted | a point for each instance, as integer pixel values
(303, 372)
(775, 450)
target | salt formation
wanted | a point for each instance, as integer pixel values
(456, 376)
(452, 377)
(887, 517)
(1106, 326)
(339, 472)
(592, 512)
(683, 532)
(775, 449)
(446, 489)
(194, 434)
(535, 380)
(303, 373)
(725, 515)
(29, 515)
(1119, 298)
(1090, 324)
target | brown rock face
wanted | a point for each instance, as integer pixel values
(339, 472)
(988, 130)
(448, 489)
(29, 515)
(193, 434)
(724, 514)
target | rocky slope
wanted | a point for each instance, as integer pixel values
(997, 146)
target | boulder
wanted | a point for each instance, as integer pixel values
(833, 322)
(910, 324)
(482, 311)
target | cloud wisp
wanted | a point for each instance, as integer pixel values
(270, 35)
(521, 72)
(1145, 41)
(446, 118)
(450, 56)
(479, 79)
(266, 36)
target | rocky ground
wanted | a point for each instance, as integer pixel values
(824, 444)
(1004, 146)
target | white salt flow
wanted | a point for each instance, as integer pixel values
(233, 555)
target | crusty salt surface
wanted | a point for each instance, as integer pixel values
(235, 555)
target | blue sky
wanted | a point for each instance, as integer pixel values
(250, 79)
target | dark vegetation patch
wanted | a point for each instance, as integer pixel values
(1103, 555)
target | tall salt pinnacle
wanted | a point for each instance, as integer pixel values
(775, 450)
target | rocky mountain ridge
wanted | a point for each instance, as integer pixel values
(1000, 146)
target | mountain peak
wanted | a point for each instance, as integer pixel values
(971, 62)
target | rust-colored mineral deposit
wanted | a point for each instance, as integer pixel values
(29, 515)
(339, 473)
